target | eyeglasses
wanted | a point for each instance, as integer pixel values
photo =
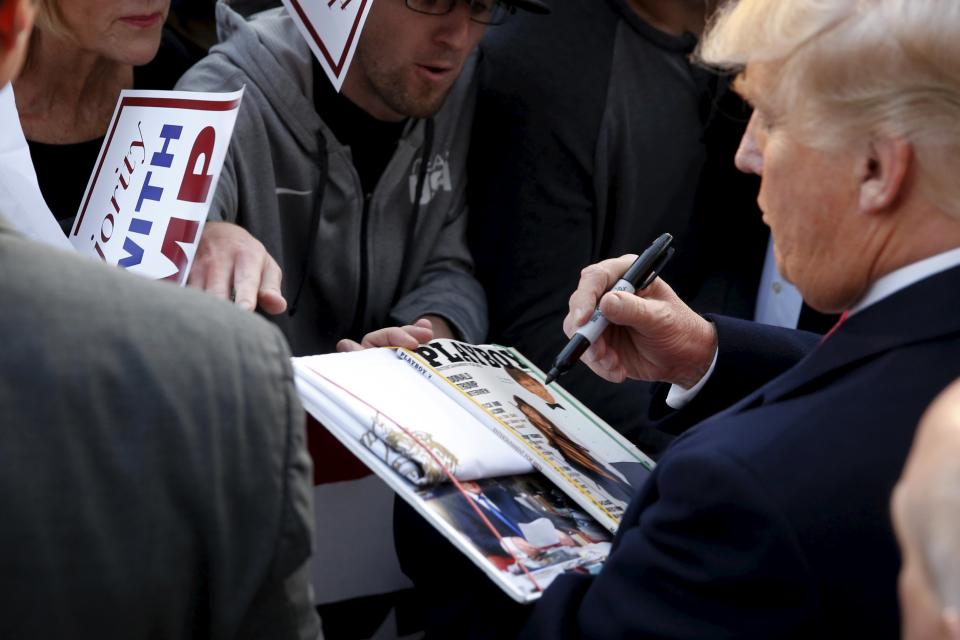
(491, 12)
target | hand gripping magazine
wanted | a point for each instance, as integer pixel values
(524, 479)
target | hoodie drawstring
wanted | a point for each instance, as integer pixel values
(323, 164)
(421, 182)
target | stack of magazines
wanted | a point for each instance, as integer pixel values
(521, 477)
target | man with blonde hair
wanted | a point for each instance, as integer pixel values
(926, 516)
(769, 520)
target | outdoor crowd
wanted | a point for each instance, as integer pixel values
(488, 170)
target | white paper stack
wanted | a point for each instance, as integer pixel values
(375, 401)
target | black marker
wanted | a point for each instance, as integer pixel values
(639, 276)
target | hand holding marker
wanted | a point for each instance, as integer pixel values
(639, 276)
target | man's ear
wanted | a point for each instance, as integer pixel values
(886, 167)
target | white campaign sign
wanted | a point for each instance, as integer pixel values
(148, 196)
(332, 29)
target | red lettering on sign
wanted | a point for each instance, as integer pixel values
(179, 230)
(196, 186)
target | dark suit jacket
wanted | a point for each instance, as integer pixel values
(770, 519)
(154, 481)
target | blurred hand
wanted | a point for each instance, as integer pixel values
(652, 335)
(233, 265)
(409, 336)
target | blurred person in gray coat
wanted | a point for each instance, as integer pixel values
(154, 481)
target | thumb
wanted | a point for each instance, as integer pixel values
(629, 310)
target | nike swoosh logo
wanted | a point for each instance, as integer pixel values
(281, 191)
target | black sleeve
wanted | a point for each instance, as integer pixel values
(750, 354)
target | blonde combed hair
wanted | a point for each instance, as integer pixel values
(854, 69)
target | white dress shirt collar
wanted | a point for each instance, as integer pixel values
(678, 397)
(906, 276)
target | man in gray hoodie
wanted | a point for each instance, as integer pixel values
(359, 196)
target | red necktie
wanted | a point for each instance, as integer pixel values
(843, 318)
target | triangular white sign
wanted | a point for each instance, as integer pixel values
(332, 29)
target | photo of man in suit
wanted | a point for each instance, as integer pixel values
(501, 509)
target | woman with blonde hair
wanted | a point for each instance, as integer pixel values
(82, 54)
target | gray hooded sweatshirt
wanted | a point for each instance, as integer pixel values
(368, 265)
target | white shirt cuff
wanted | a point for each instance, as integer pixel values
(678, 397)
